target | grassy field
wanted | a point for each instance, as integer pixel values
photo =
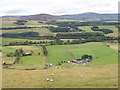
(86, 28)
(41, 31)
(7, 23)
(100, 52)
(69, 20)
(34, 23)
(35, 59)
(115, 30)
(95, 77)
(11, 23)
(101, 73)
(8, 40)
(92, 75)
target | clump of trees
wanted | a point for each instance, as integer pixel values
(105, 31)
(45, 52)
(85, 56)
(18, 53)
(20, 22)
(20, 35)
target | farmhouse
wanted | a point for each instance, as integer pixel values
(49, 64)
(27, 54)
(81, 61)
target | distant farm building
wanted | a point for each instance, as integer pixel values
(49, 64)
(27, 54)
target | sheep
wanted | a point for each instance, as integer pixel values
(48, 79)
(53, 74)
(51, 80)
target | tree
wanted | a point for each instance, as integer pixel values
(39, 53)
(84, 56)
(20, 22)
(90, 57)
(45, 51)
(17, 59)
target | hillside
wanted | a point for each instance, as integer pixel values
(42, 17)
(90, 15)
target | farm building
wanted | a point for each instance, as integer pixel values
(27, 54)
(81, 61)
(49, 64)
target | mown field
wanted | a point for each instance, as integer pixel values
(100, 52)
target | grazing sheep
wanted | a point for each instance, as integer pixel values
(48, 79)
(53, 74)
(51, 80)
(84, 64)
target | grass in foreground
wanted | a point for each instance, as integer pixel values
(92, 77)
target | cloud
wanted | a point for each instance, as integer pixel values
(56, 7)
(14, 11)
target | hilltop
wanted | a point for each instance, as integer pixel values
(85, 16)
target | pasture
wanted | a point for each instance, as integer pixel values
(35, 59)
(92, 75)
(100, 52)
(84, 77)
(69, 20)
(86, 28)
(102, 72)
(8, 40)
(111, 27)
(41, 31)
(11, 23)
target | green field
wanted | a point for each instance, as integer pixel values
(35, 59)
(8, 40)
(41, 31)
(86, 28)
(100, 52)
(8, 23)
(69, 20)
(102, 72)
(112, 27)
(92, 75)
(11, 23)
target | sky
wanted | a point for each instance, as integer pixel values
(56, 7)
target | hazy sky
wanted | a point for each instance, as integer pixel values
(56, 7)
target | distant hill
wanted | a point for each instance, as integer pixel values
(88, 15)
(41, 17)
(91, 15)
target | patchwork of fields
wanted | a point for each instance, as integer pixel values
(102, 54)
(101, 72)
